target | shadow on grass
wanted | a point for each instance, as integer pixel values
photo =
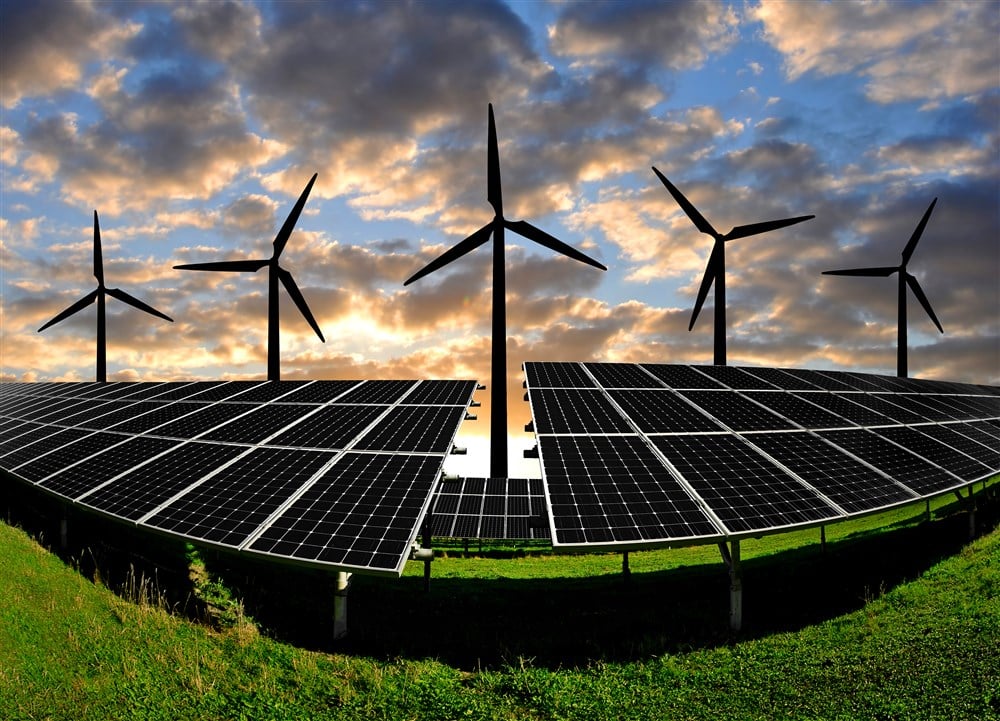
(473, 623)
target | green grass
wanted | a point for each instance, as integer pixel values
(899, 619)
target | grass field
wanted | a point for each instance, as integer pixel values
(898, 619)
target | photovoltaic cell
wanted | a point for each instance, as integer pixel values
(575, 411)
(843, 405)
(417, 429)
(494, 508)
(229, 506)
(445, 393)
(940, 454)
(622, 375)
(363, 511)
(557, 375)
(736, 378)
(850, 484)
(318, 392)
(662, 412)
(53, 462)
(901, 465)
(375, 392)
(77, 479)
(615, 490)
(736, 411)
(260, 423)
(798, 409)
(50, 439)
(962, 437)
(203, 419)
(745, 490)
(782, 379)
(681, 377)
(139, 491)
(268, 391)
(329, 427)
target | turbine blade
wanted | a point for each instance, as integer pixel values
(523, 227)
(706, 281)
(471, 243)
(78, 306)
(742, 231)
(98, 256)
(697, 218)
(293, 290)
(232, 266)
(493, 193)
(918, 291)
(286, 230)
(136, 303)
(880, 272)
(912, 243)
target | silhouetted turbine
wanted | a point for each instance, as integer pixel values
(275, 273)
(715, 271)
(98, 295)
(495, 228)
(905, 279)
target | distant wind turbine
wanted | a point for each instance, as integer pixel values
(98, 295)
(495, 228)
(715, 271)
(275, 273)
(905, 279)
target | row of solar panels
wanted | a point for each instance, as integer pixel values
(336, 473)
(646, 455)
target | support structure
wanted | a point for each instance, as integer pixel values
(732, 560)
(626, 571)
(340, 605)
(822, 538)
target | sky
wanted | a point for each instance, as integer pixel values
(193, 127)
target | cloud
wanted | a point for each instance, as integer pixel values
(678, 35)
(929, 52)
(47, 44)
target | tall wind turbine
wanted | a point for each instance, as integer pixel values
(275, 273)
(98, 295)
(715, 271)
(905, 279)
(495, 228)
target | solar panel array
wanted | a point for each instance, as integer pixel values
(334, 473)
(638, 455)
(511, 509)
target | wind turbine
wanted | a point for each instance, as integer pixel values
(275, 273)
(98, 294)
(715, 271)
(495, 228)
(905, 279)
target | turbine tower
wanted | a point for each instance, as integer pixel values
(275, 273)
(905, 279)
(715, 271)
(98, 294)
(495, 229)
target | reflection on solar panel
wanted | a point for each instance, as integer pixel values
(490, 508)
(706, 453)
(334, 473)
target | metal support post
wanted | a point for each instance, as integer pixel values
(626, 571)
(928, 510)
(63, 532)
(822, 539)
(732, 561)
(972, 515)
(340, 605)
(427, 544)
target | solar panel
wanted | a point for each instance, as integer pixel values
(608, 490)
(492, 509)
(742, 451)
(188, 459)
(362, 512)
